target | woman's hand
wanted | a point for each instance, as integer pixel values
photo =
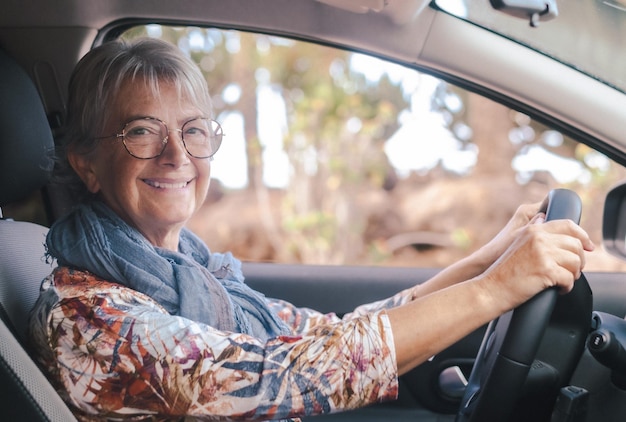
(542, 255)
(539, 255)
(491, 251)
(479, 261)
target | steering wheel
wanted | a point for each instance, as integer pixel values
(512, 341)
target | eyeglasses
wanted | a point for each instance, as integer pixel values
(146, 137)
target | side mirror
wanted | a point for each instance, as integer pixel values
(614, 222)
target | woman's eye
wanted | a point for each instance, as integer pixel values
(141, 131)
(195, 131)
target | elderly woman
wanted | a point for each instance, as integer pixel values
(140, 320)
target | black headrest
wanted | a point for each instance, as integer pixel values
(26, 142)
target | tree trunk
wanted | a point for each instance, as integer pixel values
(243, 61)
(491, 136)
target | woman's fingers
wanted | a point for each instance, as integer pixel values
(569, 235)
(543, 255)
(495, 247)
(571, 243)
(564, 242)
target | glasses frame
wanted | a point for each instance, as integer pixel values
(165, 140)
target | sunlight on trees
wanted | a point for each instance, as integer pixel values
(332, 151)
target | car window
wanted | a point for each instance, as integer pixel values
(335, 157)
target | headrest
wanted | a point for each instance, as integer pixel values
(26, 142)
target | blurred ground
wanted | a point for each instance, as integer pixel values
(415, 224)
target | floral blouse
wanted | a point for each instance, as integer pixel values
(114, 353)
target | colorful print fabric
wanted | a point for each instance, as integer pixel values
(114, 353)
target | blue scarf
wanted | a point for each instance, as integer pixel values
(193, 282)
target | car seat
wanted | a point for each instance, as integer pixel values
(25, 163)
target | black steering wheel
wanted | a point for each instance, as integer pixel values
(506, 359)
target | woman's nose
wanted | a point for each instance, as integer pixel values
(175, 152)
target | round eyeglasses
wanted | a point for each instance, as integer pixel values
(146, 137)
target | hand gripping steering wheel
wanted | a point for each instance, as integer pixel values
(512, 341)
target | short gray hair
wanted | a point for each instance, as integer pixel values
(97, 79)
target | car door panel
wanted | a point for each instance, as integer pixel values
(340, 289)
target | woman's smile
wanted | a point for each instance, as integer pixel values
(162, 184)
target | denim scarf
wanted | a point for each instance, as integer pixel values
(193, 282)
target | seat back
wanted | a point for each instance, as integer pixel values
(25, 164)
(22, 267)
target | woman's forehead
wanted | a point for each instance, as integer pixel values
(138, 99)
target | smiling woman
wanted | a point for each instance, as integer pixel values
(386, 132)
(140, 318)
(157, 193)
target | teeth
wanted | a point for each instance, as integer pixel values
(162, 185)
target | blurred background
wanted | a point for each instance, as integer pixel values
(334, 157)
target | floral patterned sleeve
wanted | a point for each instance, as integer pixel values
(302, 320)
(113, 352)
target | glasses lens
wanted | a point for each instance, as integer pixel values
(144, 138)
(202, 137)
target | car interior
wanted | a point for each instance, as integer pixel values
(25, 168)
(418, 34)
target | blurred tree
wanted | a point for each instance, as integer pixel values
(338, 121)
(243, 63)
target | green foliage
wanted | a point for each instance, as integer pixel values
(342, 120)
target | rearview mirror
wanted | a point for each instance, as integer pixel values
(534, 10)
(614, 222)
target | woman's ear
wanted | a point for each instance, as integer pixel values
(82, 165)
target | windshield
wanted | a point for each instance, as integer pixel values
(588, 35)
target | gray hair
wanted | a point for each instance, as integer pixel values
(97, 79)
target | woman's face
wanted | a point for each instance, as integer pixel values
(156, 196)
